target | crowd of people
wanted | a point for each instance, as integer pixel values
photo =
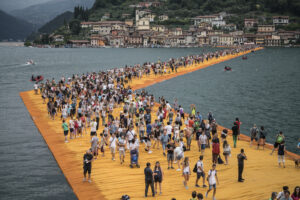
(88, 101)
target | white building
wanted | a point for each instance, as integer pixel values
(214, 20)
(280, 20)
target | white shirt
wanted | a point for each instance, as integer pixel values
(178, 151)
(203, 139)
(212, 177)
(169, 129)
(71, 123)
(200, 164)
(112, 141)
(130, 135)
(36, 86)
(93, 126)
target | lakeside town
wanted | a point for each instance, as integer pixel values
(206, 30)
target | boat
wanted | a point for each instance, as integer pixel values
(37, 79)
(227, 68)
(244, 57)
(30, 62)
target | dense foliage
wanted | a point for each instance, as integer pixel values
(57, 22)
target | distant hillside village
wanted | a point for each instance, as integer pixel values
(145, 30)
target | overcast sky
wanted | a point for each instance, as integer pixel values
(9, 5)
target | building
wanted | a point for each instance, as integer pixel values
(273, 41)
(280, 20)
(163, 18)
(229, 27)
(129, 22)
(58, 38)
(97, 41)
(79, 43)
(250, 23)
(226, 40)
(87, 24)
(214, 20)
(266, 29)
(214, 39)
(260, 39)
(158, 28)
(116, 41)
(143, 24)
(177, 31)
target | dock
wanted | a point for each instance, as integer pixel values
(111, 180)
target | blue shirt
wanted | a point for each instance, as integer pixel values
(148, 128)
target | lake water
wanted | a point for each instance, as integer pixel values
(263, 89)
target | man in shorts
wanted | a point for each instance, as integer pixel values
(94, 146)
(113, 145)
(203, 141)
(66, 130)
(93, 127)
(170, 154)
(179, 154)
(200, 171)
(212, 181)
(87, 165)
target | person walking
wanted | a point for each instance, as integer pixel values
(212, 181)
(235, 132)
(241, 157)
(87, 165)
(279, 139)
(170, 154)
(281, 150)
(186, 171)
(200, 172)
(203, 140)
(148, 179)
(226, 151)
(66, 130)
(158, 176)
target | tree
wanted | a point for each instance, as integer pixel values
(75, 26)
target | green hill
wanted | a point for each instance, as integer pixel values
(56, 22)
(13, 28)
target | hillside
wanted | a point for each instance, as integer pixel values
(56, 22)
(10, 5)
(13, 28)
(40, 14)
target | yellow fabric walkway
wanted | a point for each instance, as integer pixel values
(111, 180)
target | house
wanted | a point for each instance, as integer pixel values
(229, 27)
(280, 20)
(249, 38)
(250, 23)
(158, 28)
(116, 41)
(273, 41)
(202, 40)
(129, 22)
(106, 16)
(266, 29)
(105, 27)
(143, 24)
(260, 39)
(163, 18)
(97, 41)
(134, 39)
(177, 31)
(58, 38)
(214, 20)
(213, 39)
(79, 43)
(87, 24)
(226, 39)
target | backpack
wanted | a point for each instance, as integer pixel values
(220, 161)
(195, 168)
(125, 197)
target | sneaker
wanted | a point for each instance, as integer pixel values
(186, 187)
(84, 179)
(172, 167)
(149, 151)
(164, 154)
(89, 180)
(168, 167)
(204, 186)
(66, 141)
(197, 185)
(178, 170)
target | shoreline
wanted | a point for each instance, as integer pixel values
(69, 156)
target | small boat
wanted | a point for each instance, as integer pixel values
(37, 79)
(227, 68)
(244, 57)
(30, 62)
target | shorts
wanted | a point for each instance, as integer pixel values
(262, 137)
(178, 157)
(253, 138)
(164, 145)
(66, 132)
(199, 174)
(87, 168)
(203, 146)
(93, 133)
(112, 149)
(71, 130)
(281, 158)
(170, 157)
(212, 186)
(189, 140)
(122, 152)
(157, 179)
(276, 145)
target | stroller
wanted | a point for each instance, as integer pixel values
(134, 158)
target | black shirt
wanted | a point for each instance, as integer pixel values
(241, 159)
(235, 129)
(88, 157)
(148, 174)
(170, 148)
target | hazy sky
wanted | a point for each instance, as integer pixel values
(9, 5)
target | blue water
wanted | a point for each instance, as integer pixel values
(264, 89)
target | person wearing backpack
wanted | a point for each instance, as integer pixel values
(215, 149)
(279, 139)
(199, 169)
(212, 179)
